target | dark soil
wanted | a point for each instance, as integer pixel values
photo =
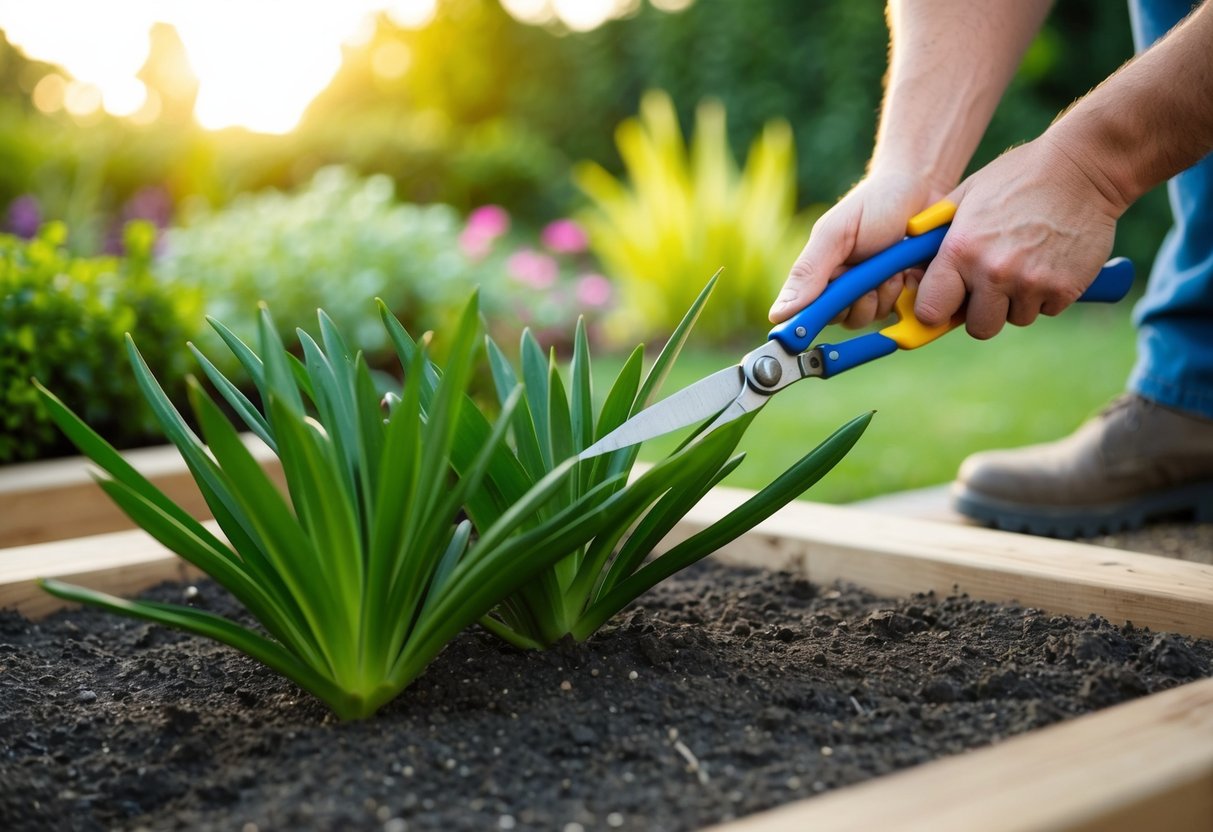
(724, 692)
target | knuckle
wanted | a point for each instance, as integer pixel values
(1003, 273)
(929, 311)
(802, 271)
(957, 247)
(1032, 283)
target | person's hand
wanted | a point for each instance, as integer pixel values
(1031, 231)
(867, 220)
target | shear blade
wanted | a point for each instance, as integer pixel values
(689, 405)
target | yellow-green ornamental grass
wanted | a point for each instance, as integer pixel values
(361, 572)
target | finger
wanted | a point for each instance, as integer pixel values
(1054, 306)
(887, 294)
(1023, 311)
(986, 313)
(940, 294)
(862, 312)
(826, 250)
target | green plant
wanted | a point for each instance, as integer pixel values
(595, 578)
(360, 575)
(331, 244)
(62, 319)
(684, 215)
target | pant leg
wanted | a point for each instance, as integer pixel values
(1174, 318)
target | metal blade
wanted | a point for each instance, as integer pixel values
(686, 407)
(748, 401)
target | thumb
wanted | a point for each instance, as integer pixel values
(828, 247)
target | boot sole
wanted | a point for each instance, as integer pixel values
(1192, 502)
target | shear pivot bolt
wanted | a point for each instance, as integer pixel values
(767, 371)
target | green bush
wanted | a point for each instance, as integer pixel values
(686, 212)
(332, 244)
(62, 320)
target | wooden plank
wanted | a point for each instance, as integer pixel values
(897, 556)
(886, 555)
(1146, 764)
(122, 563)
(57, 499)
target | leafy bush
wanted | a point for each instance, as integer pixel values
(687, 214)
(332, 244)
(595, 577)
(361, 575)
(62, 319)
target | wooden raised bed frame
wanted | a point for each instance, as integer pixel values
(1146, 764)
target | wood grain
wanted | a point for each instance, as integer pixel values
(58, 499)
(121, 563)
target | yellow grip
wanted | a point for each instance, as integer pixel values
(931, 218)
(910, 333)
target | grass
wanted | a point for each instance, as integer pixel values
(934, 406)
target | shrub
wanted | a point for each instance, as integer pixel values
(332, 244)
(686, 214)
(62, 319)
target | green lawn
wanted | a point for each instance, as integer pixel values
(934, 405)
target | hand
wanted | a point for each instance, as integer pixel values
(1031, 231)
(867, 220)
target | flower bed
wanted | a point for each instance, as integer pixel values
(754, 671)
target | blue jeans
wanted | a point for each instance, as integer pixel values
(1175, 317)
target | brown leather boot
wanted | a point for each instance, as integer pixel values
(1136, 461)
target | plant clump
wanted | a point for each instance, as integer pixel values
(360, 573)
(553, 423)
(362, 570)
(684, 211)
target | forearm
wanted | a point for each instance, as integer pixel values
(1150, 120)
(949, 63)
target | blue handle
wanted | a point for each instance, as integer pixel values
(797, 333)
(1112, 283)
(838, 358)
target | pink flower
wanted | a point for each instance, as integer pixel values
(564, 237)
(529, 267)
(485, 224)
(474, 245)
(593, 291)
(489, 221)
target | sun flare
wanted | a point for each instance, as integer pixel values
(258, 63)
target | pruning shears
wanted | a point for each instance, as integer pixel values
(789, 354)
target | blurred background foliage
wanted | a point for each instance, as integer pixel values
(477, 107)
(63, 320)
(450, 154)
(687, 210)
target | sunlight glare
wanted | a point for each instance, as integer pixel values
(411, 14)
(259, 63)
(259, 69)
(583, 15)
(529, 11)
